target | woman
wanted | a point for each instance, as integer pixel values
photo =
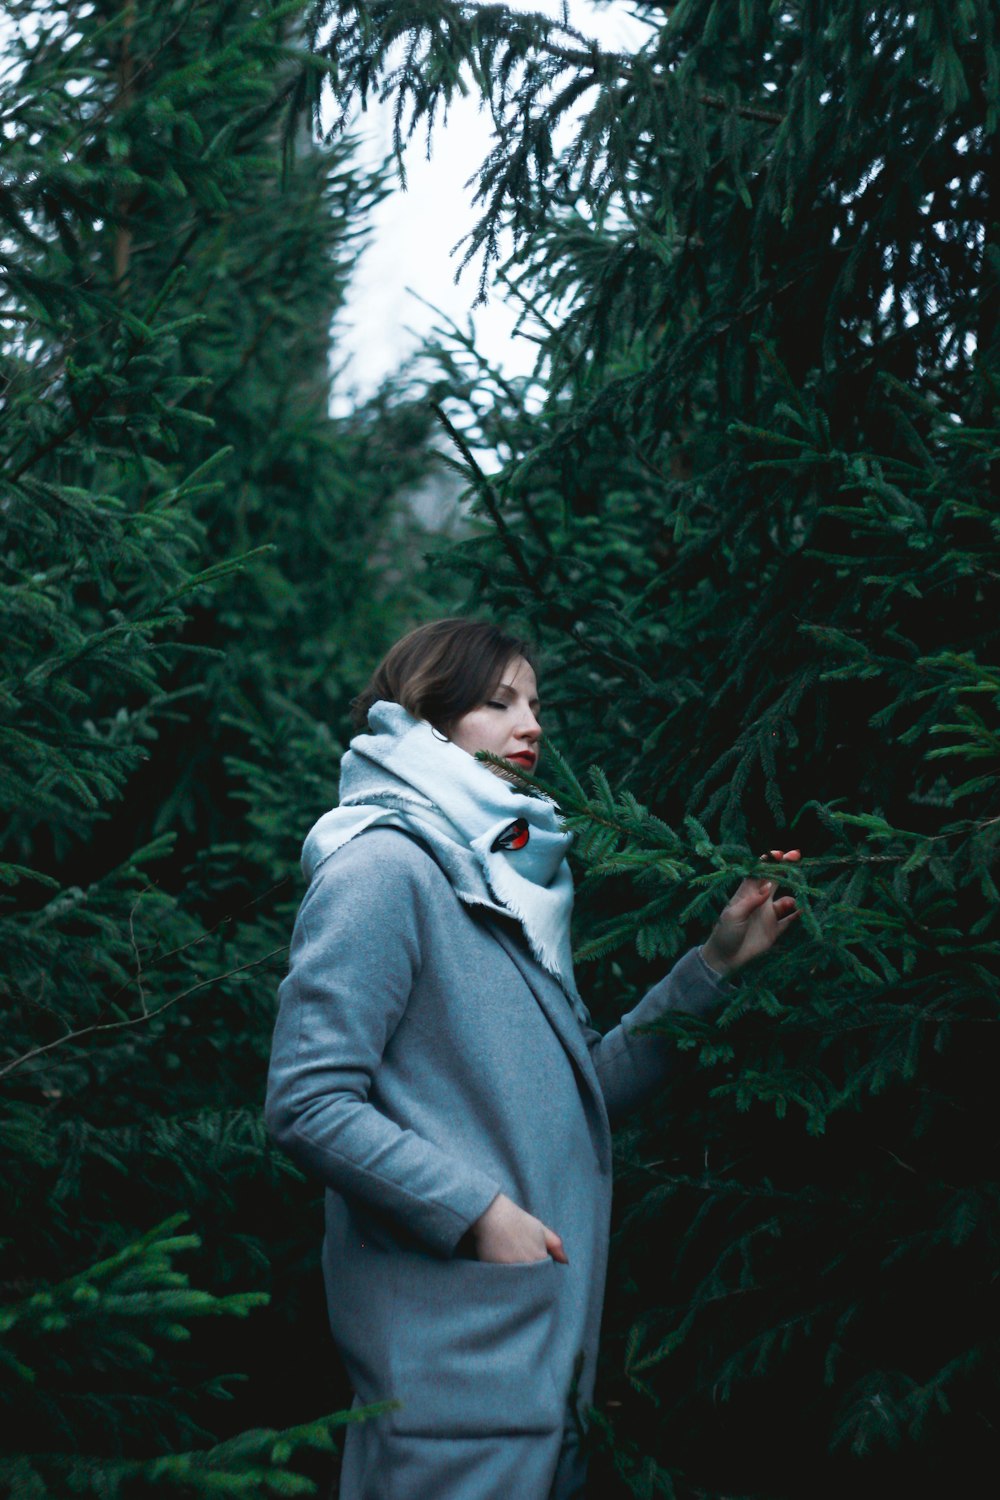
(434, 1066)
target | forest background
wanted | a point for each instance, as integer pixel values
(753, 527)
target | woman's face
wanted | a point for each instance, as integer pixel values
(507, 723)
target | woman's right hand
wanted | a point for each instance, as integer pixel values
(505, 1233)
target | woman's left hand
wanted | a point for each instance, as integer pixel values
(753, 920)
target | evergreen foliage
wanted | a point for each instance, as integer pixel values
(748, 505)
(67, 1349)
(194, 578)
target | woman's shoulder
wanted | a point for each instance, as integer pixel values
(384, 865)
(376, 892)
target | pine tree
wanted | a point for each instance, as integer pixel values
(194, 578)
(748, 505)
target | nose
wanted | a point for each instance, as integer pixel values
(529, 728)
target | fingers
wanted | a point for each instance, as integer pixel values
(745, 904)
(781, 856)
(754, 892)
(751, 895)
(554, 1246)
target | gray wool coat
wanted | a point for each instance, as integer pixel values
(423, 1062)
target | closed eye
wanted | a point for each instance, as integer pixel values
(495, 703)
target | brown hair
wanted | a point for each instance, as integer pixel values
(441, 670)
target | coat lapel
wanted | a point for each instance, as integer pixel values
(556, 1008)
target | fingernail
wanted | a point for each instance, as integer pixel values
(766, 887)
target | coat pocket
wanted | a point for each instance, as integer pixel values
(472, 1345)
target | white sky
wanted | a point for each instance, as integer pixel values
(414, 231)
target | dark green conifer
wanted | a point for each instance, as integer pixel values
(749, 506)
(193, 557)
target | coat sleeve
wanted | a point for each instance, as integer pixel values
(631, 1067)
(355, 953)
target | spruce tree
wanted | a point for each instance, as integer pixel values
(194, 574)
(748, 505)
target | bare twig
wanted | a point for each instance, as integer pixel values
(484, 487)
(135, 950)
(72, 1036)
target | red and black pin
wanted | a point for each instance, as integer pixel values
(514, 836)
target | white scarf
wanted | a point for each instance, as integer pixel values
(405, 775)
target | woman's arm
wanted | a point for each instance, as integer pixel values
(354, 956)
(631, 1067)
